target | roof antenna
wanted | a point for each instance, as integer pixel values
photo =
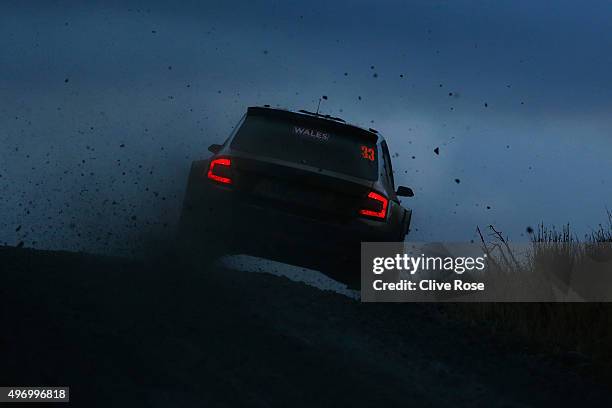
(323, 97)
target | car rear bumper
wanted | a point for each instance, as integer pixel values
(249, 226)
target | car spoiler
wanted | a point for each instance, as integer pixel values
(314, 119)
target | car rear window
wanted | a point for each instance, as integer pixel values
(310, 144)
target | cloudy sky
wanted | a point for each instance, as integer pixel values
(103, 106)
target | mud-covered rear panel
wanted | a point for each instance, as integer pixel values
(299, 189)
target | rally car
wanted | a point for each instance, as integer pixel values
(298, 187)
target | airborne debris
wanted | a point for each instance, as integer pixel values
(457, 181)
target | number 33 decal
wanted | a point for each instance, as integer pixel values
(367, 153)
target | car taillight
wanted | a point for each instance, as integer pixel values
(219, 170)
(375, 206)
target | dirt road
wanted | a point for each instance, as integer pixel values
(160, 334)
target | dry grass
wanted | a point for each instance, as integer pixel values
(581, 329)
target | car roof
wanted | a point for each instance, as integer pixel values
(301, 114)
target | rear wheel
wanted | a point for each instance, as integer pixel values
(196, 241)
(194, 244)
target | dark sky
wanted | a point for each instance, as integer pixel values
(103, 106)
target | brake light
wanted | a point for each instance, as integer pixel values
(219, 170)
(376, 206)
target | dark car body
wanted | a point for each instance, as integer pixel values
(296, 187)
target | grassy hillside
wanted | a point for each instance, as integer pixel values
(582, 332)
